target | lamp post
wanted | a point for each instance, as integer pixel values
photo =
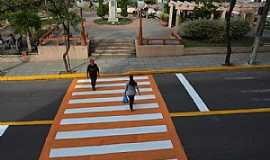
(81, 4)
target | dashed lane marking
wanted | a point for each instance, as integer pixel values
(3, 128)
(193, 94)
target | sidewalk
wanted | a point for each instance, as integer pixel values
(123, 64)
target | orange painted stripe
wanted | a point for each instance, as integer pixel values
(176, 140)
(175, 153)
(50, 138)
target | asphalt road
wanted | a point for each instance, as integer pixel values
(218, 90)
(31, 100)
(230, 137)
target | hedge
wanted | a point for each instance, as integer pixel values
(213, 30)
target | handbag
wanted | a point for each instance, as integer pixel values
(125, 99)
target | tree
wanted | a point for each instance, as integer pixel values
(102, 9)
(61, 11)
(227, 30)
(259, 31)
(123, 6)
(25, 22)
(207, 8)
(22, 14)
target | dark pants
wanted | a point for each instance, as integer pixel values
(93, 82)
(131, 101)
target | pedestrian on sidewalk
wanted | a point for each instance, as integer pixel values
(130, 91)
(92, 73)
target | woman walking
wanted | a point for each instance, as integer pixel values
(131, 91)
(93, 72)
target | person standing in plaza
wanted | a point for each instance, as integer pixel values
(130, 91)
(92, 73)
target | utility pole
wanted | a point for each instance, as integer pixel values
(259, 32)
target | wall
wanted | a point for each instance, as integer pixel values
(159, 50)
(47, 53)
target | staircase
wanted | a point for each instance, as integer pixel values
(111, 47)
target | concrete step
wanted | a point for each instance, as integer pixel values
(115, 51)
(114, 44)
(113, 40)
(113, 54)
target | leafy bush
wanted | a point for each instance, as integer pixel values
(213, 30)
(239, 28)
(123, 6)
(102, 9)
(164, 16)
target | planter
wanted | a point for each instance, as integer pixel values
(164, 23)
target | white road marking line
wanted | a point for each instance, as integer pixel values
(110, 132)
(108, 85)
(239, 78)
(256, 91)
(136, 117)
(193, 94)
(108, 99)
(107, 92)
(112, 148)
(113, 79)
(3, 128)
(110, 108)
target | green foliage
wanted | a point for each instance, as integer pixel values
(166, 8)
(62, 14)
(123, 5)
(8, 7)
(213, 30)
(164, 16)
(239, 28)
(25, 21)
(206, 9)
(150, 1)
(132, 3)
(102, 9)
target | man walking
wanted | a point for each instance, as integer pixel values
(93, 72)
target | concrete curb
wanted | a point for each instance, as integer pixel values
(140, 72)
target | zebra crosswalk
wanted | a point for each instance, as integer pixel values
(98, 125)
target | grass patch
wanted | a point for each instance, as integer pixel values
(121, 21)
(244, 42)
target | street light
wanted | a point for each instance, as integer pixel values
(82, 4)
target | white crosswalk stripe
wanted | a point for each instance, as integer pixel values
(111, 108)
(108, 85)
(90, 119)
(111, 132)
(136, 117)
(113, 79)
(112, 148)
(107, 92)
(108, 99)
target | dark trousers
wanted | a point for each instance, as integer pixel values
(93, 82)
(131, 101)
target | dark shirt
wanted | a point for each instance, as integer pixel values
(92, 70)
